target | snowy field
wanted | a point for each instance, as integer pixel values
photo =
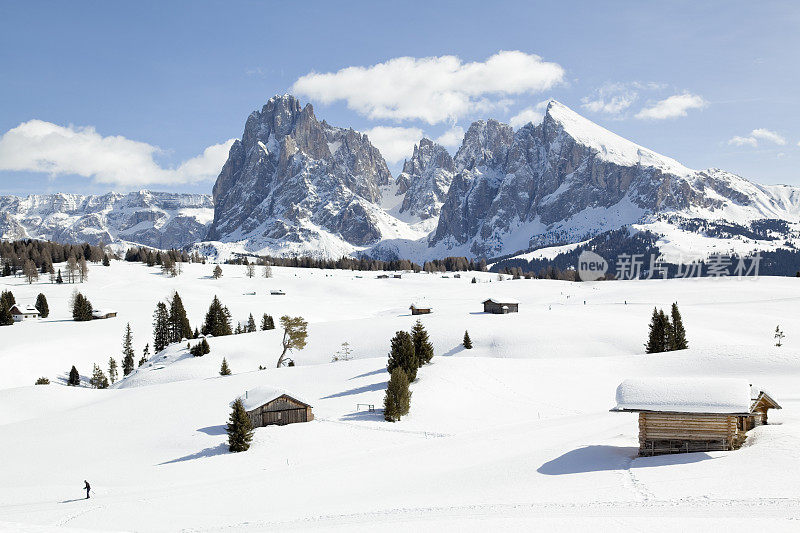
(515, 434)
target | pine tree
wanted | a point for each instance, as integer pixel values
(204, 347)
(217, 272)
(423, 349)
(7, 299)
(41, 306)
(402, 355)
(106, 262)
(178, 322)
(42, 381)
(224, 370)
(251, 324)
(267, 322)
(5, 314)
(238, 329)
(218, 321)
(145, 354)
(98, 379)
(467, 341)
(397, 401)
(81, 308)
(74, 377)
(655, 339)
(112, 369)
(59, 279)
(127, 351)
(161, 329)
(240, 429)
(679, 333)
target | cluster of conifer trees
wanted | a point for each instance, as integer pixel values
(409, 351)
(666, 335)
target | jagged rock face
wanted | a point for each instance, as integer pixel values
(160, 220)
(425, 180)
(564, 179)
(293, 178)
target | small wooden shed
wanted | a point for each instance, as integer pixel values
(681, 415)
(267, 406)
(500, 306)
(421, 308)
(99, 314)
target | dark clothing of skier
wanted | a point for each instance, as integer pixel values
(87, 487)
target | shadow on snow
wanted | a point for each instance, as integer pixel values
(602, 457)
(214, 430)
(219, 449)
(358, 390)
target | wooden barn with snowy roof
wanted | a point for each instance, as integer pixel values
(681, 415)
(267, 406)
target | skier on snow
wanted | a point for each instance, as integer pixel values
(87, 487)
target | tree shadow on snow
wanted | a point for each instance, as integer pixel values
(219, 449)
(362, 416)
(214, 430)
(458, 348)
(358, 390)
(371, 373)
(602, 457)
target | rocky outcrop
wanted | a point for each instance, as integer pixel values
(425, 180)
(294, 179)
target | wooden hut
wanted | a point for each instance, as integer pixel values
(421, 308)
(99, 314)
(267, 406)
(500, 306)
(681, 415)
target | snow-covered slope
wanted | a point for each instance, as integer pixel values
(515, 434)
(157, 219)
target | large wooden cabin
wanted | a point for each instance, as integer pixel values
(267, 406)
(681, 415)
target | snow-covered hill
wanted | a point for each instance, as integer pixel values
(157, 219)
(514, 434)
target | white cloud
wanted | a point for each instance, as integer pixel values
(395, 144)
(452, 138)
(612, 98)
(767, 135)
(529, 114)
(757, 134)
(741, 141)
(675, 106)
(431, 89)
(40, 146)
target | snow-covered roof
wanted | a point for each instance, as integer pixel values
(684, 395)
(24, 310)
(421, 304)
(102, 311)
(260, 395)
(501, 301)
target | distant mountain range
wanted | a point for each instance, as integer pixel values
(296, 186)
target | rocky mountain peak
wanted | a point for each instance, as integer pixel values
(425, 179)
(291, 177)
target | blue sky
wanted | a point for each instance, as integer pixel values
(158, 83)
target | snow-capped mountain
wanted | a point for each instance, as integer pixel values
(294, 185)
(157, 219)
(568, 179)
